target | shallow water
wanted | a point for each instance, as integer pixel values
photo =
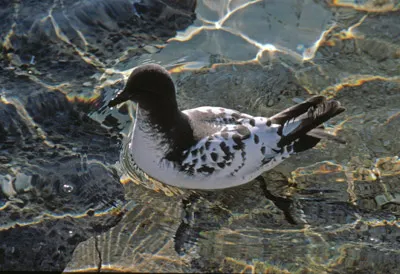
(71, 201)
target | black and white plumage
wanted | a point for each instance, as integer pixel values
(213, 147)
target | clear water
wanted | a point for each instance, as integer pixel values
(71, 200)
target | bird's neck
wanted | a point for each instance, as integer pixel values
(168, 128)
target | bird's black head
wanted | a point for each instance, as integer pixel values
(149, 85)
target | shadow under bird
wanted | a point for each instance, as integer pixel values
(214, 147)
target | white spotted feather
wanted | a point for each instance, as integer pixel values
(259, 152)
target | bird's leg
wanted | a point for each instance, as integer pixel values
(185, 235)
(283, 204)
(201, 212)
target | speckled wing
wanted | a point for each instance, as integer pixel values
(233, 143)
(216, 152)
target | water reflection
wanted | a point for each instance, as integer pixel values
(64, 181)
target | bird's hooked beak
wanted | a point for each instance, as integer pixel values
(121, 97)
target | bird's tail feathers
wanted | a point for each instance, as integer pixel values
(302, 123)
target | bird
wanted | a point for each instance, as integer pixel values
(207, 147)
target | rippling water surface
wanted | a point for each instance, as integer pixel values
(71, 201)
